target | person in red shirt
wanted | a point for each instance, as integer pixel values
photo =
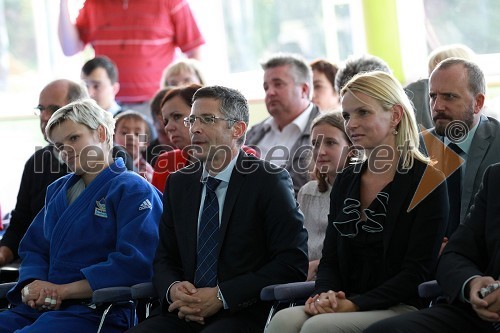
(141, 37)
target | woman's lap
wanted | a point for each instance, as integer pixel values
(295, 320)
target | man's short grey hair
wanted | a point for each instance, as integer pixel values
(85, 112)
(356, 65)
(233, 104)
(301, 70)
(475, 76)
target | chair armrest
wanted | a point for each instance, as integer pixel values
(111, 294)
(294, 290)
(10, 272)
(429, 289)
(5, 287)
(143, 290)
(267, 293)
(287, 291)
(13, 266)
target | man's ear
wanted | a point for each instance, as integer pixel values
(478, 103)
(239, 129)
(306, 90)
(116, 88)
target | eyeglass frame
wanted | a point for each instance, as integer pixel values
(204, 120)
(39, 109)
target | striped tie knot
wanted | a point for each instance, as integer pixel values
(212, 184)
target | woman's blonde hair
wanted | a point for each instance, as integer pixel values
(449, 51)
(183, 65)
(333, 119)
(387, 90)
(85, 112)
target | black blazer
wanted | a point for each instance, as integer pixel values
(474, 248)
(418, 93)
(411, 239)
(262, 237)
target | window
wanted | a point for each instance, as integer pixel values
(240, 33)
(473, 23)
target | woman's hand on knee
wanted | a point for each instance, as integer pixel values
(321, 303)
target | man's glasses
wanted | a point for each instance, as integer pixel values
(39, 109)
(189, 121)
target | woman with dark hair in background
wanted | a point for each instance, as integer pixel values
(324, 94)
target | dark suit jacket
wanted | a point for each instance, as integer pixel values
(418, 93)
(298, 164)
(484, 151)
(411, 240)
(474, 248)
(262, 237)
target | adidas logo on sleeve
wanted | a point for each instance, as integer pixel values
(146, 204)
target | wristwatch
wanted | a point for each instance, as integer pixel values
(219, 294)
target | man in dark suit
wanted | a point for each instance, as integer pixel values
(284, 137)
(257, 236)
(457, 93)
(470, 261)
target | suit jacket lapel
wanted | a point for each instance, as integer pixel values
(478, 149)
(190, 227)
(400, 189)
(259, 134)
(303, 140)
(235, 184)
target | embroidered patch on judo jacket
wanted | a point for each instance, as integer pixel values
(100, 208)
(146, 204)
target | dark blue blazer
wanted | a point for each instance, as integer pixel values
(262, 237)
(474, 248)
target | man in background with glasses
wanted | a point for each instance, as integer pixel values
(42, 168)
(230, 227)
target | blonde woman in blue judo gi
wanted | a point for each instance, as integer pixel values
(98, 228)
